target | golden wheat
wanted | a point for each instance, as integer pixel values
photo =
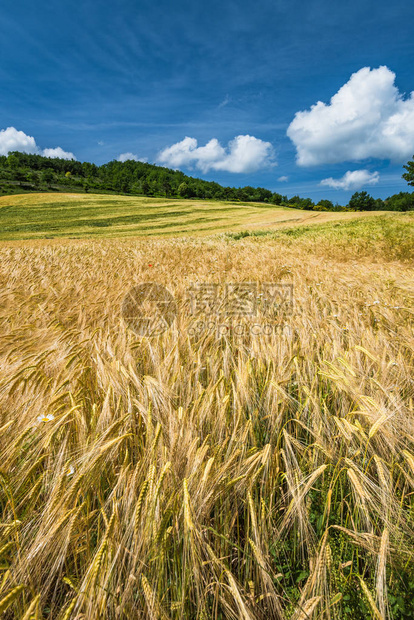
(217, 470)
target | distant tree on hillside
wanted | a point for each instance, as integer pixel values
(183, 190)
(47, 176)
(13, 161)
(362, 201)
(166, 186)
(404, 201)
(301, 203)
(327, 204)
(32, 178)
(31, 172)
(277, 199)
(409, 175)
(145, 187)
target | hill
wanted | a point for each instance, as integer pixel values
(37, 216)
(25, 173)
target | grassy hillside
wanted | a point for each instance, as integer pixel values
(379, 238)
(36, 216)
(251, 467)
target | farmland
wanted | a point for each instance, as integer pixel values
(232, 466)
(37, 216)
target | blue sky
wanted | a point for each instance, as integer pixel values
(160, 80)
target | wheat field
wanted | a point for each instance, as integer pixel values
(39, 216)
(207, 472)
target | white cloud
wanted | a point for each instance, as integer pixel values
(127, 156)
(367, 117)
(243, 154)
(57, 153)
(13, 140)
(353, 180)
(283, 179)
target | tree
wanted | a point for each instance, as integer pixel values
(32, 178)
(326, 204)
(183, 190)
(47, 176)
(277, 198)
(13, 160)
(166, 186)
(362, 201)
(306, 203)
(404, 201)
(294, 202)
(145, 187)
(409, 175)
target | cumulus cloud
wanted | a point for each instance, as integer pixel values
(127, 156)
(243, 154)
(353, 180)
(57, 153)
(367, 118)
(283, 179)
(13, 140)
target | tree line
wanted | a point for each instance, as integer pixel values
(22, 172)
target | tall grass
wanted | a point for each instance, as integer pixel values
(384, 237)
(199, 474)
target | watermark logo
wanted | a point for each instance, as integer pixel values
(149, 309)
(240, 298)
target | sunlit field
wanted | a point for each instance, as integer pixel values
(40, 216)
(231, 467)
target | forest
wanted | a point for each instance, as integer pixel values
(22, 172)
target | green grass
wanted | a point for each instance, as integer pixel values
(45, 215)
(389, 236)
(40, 216)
